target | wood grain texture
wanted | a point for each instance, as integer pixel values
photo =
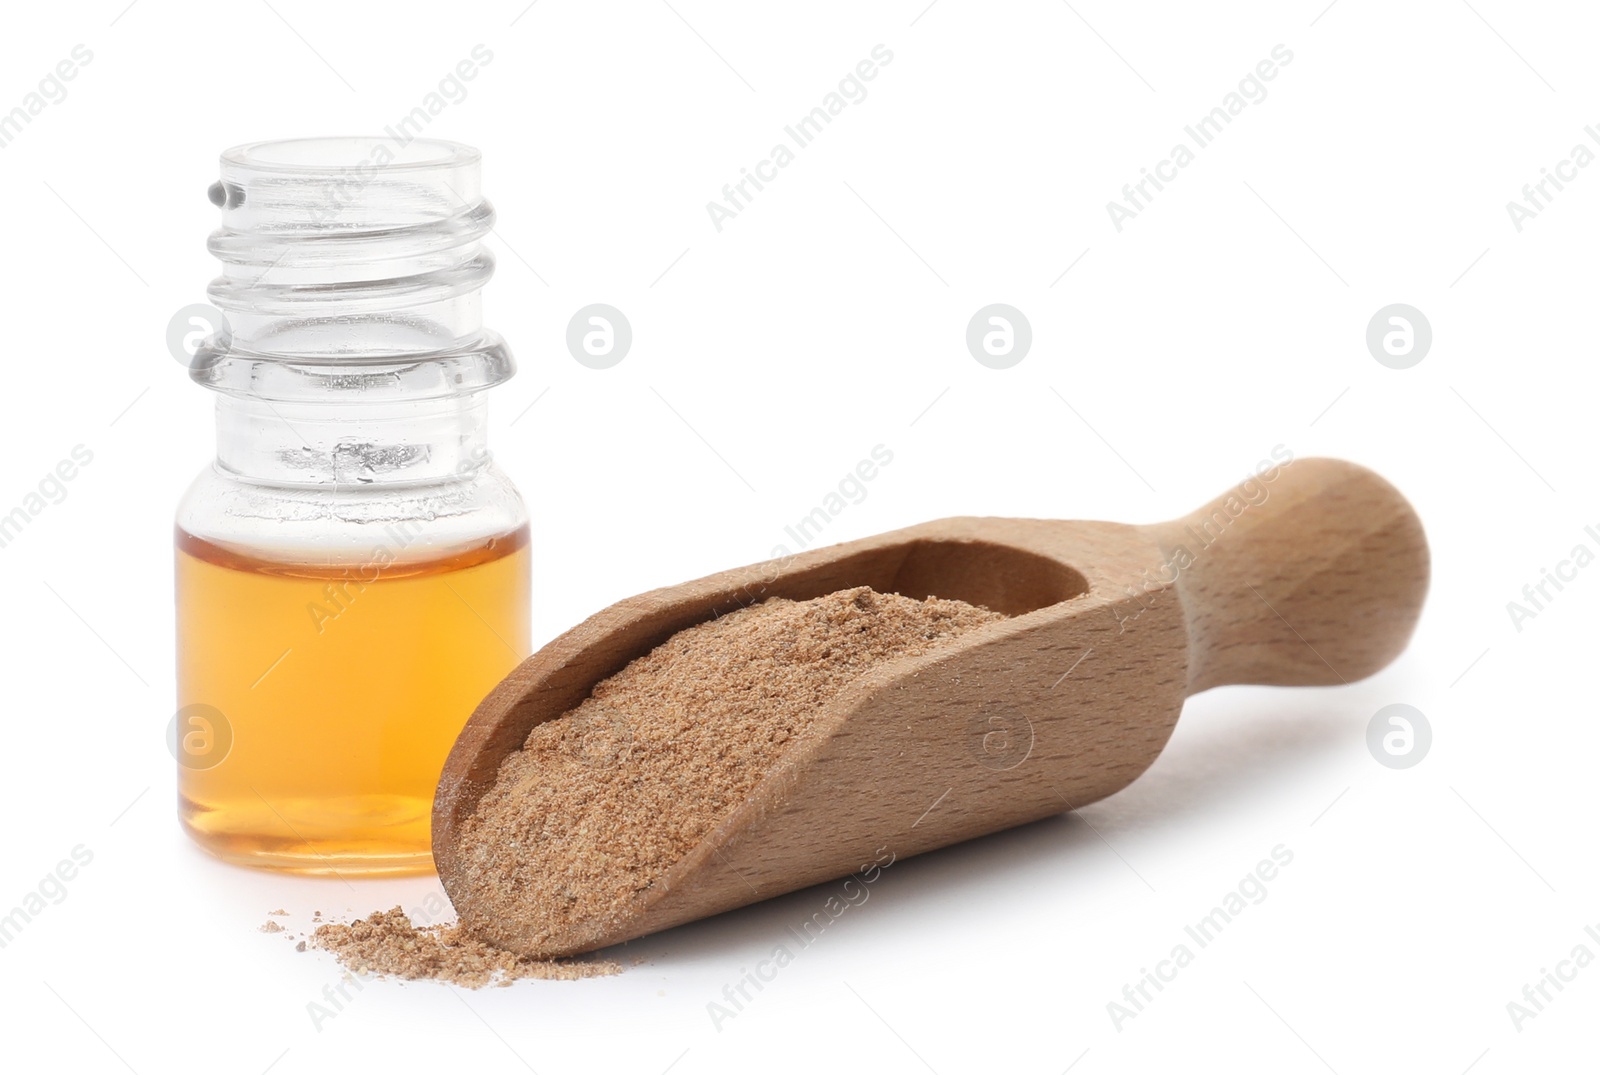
(1312, 573)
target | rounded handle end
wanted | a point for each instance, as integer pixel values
(1311, 573)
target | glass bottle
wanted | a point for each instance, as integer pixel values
(352, 570)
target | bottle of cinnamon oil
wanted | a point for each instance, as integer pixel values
(352, 570)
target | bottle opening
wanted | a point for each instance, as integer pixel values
(321, 155)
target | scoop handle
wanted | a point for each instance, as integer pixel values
(1310, 572)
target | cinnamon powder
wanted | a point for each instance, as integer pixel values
(603, 800)
(386, 943)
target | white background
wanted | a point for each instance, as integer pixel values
(768, 359)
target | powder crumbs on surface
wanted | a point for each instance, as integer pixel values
(270, 926)
(385, 943)
(603, 800)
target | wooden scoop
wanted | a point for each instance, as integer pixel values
(1311, 573)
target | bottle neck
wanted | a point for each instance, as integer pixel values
(351, 269)
(354, 445)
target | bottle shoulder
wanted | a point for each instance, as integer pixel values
(340, 521)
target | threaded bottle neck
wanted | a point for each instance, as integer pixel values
(352, 263)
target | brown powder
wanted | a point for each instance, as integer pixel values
(605, 799)
(385, 943)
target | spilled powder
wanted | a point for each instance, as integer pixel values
(602, 801)
(385, 943)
